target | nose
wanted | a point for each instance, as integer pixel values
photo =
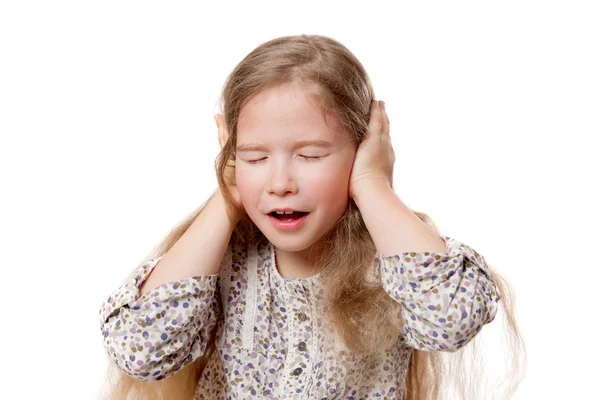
(281, 181)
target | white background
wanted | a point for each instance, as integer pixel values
(108, 141)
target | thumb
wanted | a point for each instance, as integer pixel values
(221, 133)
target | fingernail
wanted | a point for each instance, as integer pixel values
(381, 103)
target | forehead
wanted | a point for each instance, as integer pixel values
(285, 115)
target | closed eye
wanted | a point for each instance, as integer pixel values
(254, 161)
(310, 158)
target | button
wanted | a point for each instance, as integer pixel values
(302, 346)
(302, 317)
(297, 371)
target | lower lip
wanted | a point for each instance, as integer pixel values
(288, 226)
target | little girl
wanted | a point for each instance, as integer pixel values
(304, 276)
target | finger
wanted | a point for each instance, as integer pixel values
(375, 120)
(385, 119)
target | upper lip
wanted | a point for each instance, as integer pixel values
(283, 210)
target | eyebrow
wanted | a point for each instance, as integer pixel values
(301, 143)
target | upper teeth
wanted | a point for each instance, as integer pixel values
(284, 212)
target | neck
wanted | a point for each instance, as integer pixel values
(298, 264)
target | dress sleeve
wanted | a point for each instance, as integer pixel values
(157, 334)
(445, 298)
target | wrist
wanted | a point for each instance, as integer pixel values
(360, 188)
(220, 201)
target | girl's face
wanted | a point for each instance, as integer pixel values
(272, 171)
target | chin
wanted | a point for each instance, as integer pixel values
(290, 245)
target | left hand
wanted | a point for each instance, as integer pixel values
(374, 159)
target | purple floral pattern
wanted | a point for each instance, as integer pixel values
(271, 339)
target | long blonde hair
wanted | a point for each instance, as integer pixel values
(365, 316)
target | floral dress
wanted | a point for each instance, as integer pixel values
(272, 341)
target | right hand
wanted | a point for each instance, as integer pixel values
(229, 175)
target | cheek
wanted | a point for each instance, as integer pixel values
(246, 184)
(331, 186)
(327, 185)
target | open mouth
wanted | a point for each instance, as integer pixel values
(288, 217)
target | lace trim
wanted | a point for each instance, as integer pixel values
(225, 281)
(250, 312)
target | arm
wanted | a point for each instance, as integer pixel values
(442, 284)
(165, 329)
(445, 297)
(200, 249)
(160, 319)
(395, 229)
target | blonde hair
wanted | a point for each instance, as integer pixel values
(367, 319)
